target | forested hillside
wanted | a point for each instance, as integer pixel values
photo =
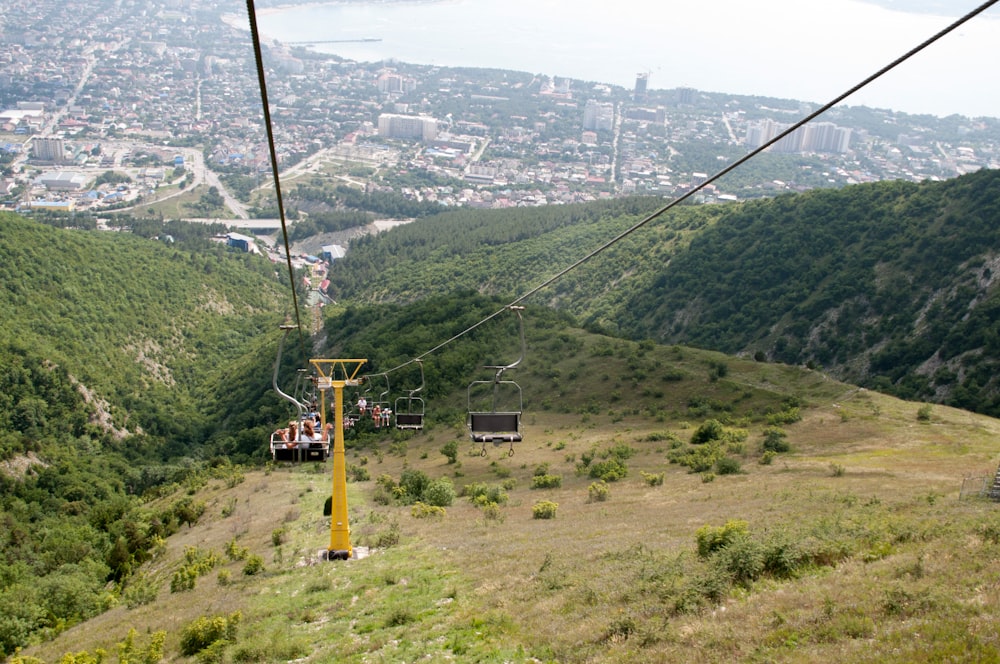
(889, 285)
(137, 322)
(108, 345)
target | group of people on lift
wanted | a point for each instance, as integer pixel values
(306, 430)
(381, 414)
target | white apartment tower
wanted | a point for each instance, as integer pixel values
(48, 149)
(420, 127)
(598, 116)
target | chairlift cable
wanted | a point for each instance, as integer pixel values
(258, 56)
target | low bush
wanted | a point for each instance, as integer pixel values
(713, 538)
(438, 493)
(652, 479)
(610, 470)
(481, 494)
(775, 440)
(236, 552)
(357, 473)
(205, 631)
(728, 466)
(598, 492)
(708, 431)
(421, 510)
(254, 565)
(546, 481)
(544, 509)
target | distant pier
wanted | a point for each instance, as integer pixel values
(336, 41)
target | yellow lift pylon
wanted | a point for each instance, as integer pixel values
(336, 375)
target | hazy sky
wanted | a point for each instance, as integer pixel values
(817, 49)
(810, 50)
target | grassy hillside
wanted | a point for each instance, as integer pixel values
(889, 285)
(850, 545)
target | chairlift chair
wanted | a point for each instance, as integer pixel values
(409, 409)
(498, 425)
(292, 443)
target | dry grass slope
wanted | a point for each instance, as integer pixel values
(856, 548)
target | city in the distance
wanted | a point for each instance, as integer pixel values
(128, 105)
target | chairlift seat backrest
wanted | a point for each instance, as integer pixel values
(495, 427)
(409, 420)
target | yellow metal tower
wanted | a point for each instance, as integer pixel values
(336, 375)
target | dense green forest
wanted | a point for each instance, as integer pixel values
(110, 346)
(889, 285)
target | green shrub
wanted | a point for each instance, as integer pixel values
(713, 538)
(412, 483)
(742, 558)
(784, 558)
(482, 494)
(924, 413)
(439, 493)
(492, 512)
(788, 416)
(141, 590)
(183, 579)
(237, 552)
(196, 563)
(254, 565)
(386, 538)
(204, 632)
(544, 509)
(620, 451)
(610, 470)
(697, 458)
(357, 473)
(423, 510)
(728, 466)
(709, 430)
(546, 481)
(774, 440)
(450, 450)
(767, 457)
(598, 492)
(652, 479)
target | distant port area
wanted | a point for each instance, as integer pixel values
(336, 41)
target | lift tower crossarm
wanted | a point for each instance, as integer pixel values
(336, 375)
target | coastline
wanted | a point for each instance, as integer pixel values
(721, 56)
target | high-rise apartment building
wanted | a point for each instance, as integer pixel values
(813, 137)
(393, 83)
(48, 149)
(641, 81)
(420, 127)
(598, 116)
